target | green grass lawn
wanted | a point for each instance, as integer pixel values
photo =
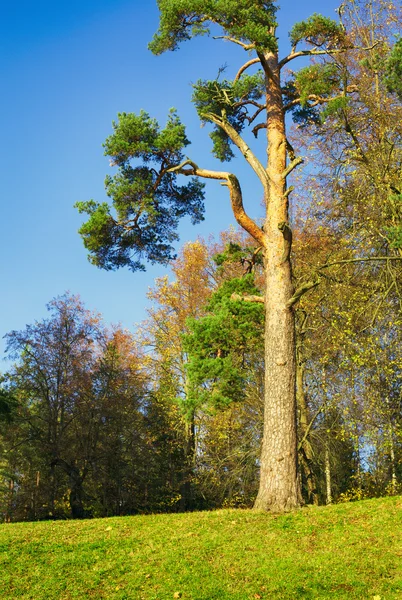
(346, 551)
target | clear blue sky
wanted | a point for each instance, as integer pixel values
(68, 68)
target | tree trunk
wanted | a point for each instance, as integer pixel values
(186, 491)
(76, 490)
(328, 483)
(394, 481)
(10, 502)
(279, 484)
(306, 451)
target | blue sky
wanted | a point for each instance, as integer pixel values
(68, 68)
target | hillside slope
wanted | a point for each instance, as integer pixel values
(349, 551)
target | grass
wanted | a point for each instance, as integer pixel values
(348, 551)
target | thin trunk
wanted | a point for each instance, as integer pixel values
(394, 481)
(328, 476)
(279, 484)
(306, 452)
(186, 488)
(328, 484)
(52, 491)
(9, 511)
(76, 496)
(35, 495)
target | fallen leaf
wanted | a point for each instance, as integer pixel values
(177, 595)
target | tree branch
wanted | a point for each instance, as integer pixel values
(356, 260)
(247, 298)
(297, 161)
(303, 289)
(257, 128)
(248, 64)
(255, 115)
(235, 41)
(315, 52)
(236, 197)
(306, 287)
(356, 142)
(309, 426)
(243, 147)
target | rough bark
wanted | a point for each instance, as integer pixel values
(279, 485)
(279, 482)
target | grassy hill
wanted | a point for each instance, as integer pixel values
(346, 551)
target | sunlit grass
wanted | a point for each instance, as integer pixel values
(347, 551)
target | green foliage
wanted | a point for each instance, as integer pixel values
(334, 106)
(249, 21)
(146, 199)
(394, 234)
(227, 100)
(394, 231)
(7, 402)
(318, 31)
(393, 73)
(316, 80)
(234, 253)
(302, 115)
(220, 344)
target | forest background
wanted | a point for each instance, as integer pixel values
(126, 440)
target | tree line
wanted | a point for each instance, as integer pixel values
(268, 372)
(101, 421)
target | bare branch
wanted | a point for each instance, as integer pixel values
(243, 147)
(289, 191)
(248, 298)
(377, 310)
(248, 64)
(356, 260)
(356, 142)
(236, 197)
(303, 289)
(310, 425)
(257, 128)
(317, 100)
(251, 103)
(315, 52)
(235, 41)
(255, 115)
(296, 162)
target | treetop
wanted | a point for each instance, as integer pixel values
(317, 31)
(249, 22)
